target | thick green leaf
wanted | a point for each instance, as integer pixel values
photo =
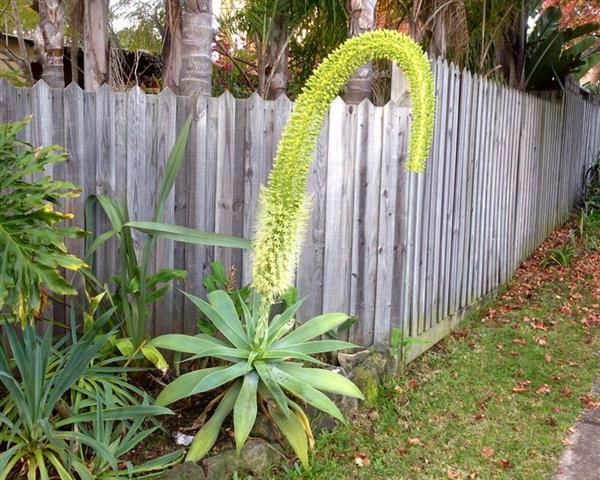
(320, 346)
(184, 385)
(208, 434)
(244, 412)
(216, 379)
(272, 386)
(196, 345)
(325, 380)
(306, 393)
(222, 303)
(189, 235)
(155, 357)
(280, 323)
(117, 413)
(313, 328)
(293, 429)
(216, 317)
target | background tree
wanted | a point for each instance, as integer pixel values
(95, 43)
(49, 37)
(361, 19)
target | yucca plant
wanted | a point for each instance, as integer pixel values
(265, 359)
(32, 249)
(135, 288)
(271, 372)
(120, 437)
(39, 432)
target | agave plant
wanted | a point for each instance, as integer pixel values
(271, 372)
(265, 358)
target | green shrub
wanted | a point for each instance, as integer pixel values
(256, 374)
(40, 430)
(32, 249)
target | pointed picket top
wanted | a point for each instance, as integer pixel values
(283, 102)
(41, 87)
(136, 93)
(226, 96)
(105, 89)
(167, 93)
(365, 103)
(8, 87)
(73, 87)
(338, 104)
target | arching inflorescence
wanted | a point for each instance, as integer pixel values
(283, 204)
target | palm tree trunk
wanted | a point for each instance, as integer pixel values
(197, 37)
(95, 44)
(273, 63)
(361, 19)
(172, 45)
(49, 40)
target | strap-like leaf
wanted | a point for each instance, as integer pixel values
(196, 345)
(184, 385)
(189, 235)
(306, 393)
(224, 325)
(320, 346)
(293, 429)
(207, 436)
(244, 412)
(216, 379)
(325, 380)
(277, 327)
(272, 386)
(311, 329)
(222, 303)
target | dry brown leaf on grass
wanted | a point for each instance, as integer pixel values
(453, 474)
(545, 388)
(414, 441)
(362, 460)
(487, 452)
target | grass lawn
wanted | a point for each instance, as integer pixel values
(493, 401)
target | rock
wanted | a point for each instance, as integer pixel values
(369, 373)
(185, 471)
(263, 428)
(349, 361)
(255, 458)
(221, 466)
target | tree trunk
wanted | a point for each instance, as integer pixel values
(172, 45)
(49, 37)
(95, 44)
(75, 21)
(273, 62)
(24, 56)
(361, 19)
(510, 53)
(197, 37)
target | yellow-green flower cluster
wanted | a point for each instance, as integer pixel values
(283, 205)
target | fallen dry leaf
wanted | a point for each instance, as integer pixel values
(487, 452)
(545, 388)
(453, 474)
(361, 460)
(414, 441)
(505, 463)
(548, 357)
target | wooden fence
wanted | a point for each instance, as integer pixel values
(394, 248)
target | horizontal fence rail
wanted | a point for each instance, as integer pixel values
(396, 249)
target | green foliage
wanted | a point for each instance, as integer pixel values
(283, 208)
(554, 52)
(399, 343)
(32, 249)
(271, 372)
(40, 431)
(561, 256)
(135, 288)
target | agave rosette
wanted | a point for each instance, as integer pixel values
(273, 371)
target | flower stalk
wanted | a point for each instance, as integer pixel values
(283, 204)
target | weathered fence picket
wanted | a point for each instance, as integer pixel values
(396, 249)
